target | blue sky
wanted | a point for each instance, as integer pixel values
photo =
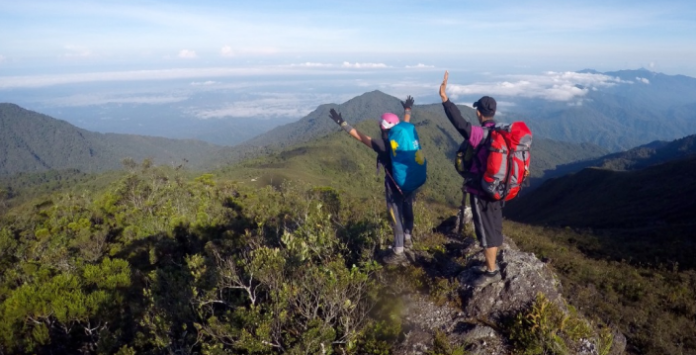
(333, 49)
(57, 37)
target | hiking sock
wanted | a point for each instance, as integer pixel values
(489, 273)
(408, 241)
(398, 250)
(484, 269)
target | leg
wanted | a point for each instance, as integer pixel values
(488, 223)
(491, 254)
(394, 209)
(407, 213)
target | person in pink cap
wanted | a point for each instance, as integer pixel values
(399, 205)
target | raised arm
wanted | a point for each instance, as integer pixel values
(336, 117)
(452, 111)
(407, 108)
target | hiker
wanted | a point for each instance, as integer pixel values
(487, 213)
(399, 200)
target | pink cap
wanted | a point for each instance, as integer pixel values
(388, 121)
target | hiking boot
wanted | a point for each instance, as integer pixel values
(393, 258)
(486, 278)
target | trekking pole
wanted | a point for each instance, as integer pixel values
(462, 213)
(394, 181)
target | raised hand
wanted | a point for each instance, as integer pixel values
(408, 103)
(336, 117)
(443, 87)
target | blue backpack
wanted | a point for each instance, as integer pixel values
(408, 161)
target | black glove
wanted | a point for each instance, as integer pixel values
(408, 104)
(336, 117)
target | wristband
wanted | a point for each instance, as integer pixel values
(346, 127)
(407, 111)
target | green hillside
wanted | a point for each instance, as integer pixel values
(654, 153)
(646, 212)
(340, 161)
(159, 263)
(32, 142)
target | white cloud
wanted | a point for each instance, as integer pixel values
(101, 99)
(357, 65)
(187, 54)
(312, 65)
(419, 66)
(643, 80)
(200, 83)
(553, 86)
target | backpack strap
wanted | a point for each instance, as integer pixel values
(484, 141)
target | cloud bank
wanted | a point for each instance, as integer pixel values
(554, 86)
(134, 75)
(102, 99)
(643, 80)
(420, 66)
(312, 65)
(363, 65)
(268, 105)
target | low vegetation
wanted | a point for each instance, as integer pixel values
(158, 263)
(652, 304)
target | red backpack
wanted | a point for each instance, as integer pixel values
(507, 165)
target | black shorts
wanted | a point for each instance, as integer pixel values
(488, 221)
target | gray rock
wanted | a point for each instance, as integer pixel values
(476, 326)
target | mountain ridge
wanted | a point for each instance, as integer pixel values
(33, 142)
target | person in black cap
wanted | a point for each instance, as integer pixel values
(487, 213)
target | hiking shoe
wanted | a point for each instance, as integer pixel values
(393, 258)
(486, 278)
(480, 270)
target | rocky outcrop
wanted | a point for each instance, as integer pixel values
(481, 322)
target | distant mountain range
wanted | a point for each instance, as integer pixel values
(32, 142)
(315, 150)
(370, 106)
(648, 106)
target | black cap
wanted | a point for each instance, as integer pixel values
(486, 105)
